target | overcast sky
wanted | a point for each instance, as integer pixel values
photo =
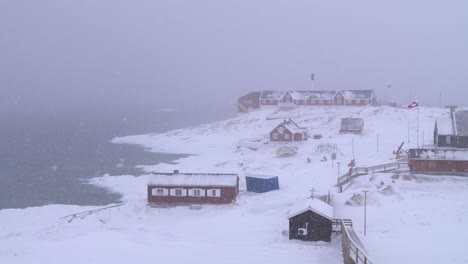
(77, 54)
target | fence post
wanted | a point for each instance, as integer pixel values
(357, 255)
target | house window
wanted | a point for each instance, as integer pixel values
(159, 192)
(338, 101)
(275, 136)
(196, 192)
(214, 193)
(363, 101)
(447, 140)
(286, 136)
(281, 130)
(178, 192)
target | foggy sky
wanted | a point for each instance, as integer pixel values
(76, 54)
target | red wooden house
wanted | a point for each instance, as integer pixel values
(439, 161)
(288, 131)
(306, 98)
(192, 188)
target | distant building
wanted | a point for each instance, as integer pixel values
(352, 125)
(311, 221)
(193, 188)
(452, 131)
(255, 100)
(261, 183)
(438, 161)
(288, 131)
(248, 102)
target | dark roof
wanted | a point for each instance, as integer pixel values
(352, 122)
(461, 122)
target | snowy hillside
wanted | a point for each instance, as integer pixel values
(411, 219)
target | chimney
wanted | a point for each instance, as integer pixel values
(176, 171)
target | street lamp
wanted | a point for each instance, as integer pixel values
(365, 209)
(338, 162)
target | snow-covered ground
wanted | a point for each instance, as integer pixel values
(411, 218)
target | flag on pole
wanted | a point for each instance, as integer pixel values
(413, 104)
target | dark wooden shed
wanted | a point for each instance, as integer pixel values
(452, 131)
(311, 221)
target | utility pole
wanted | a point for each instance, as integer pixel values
(365, 210)
(422, 142)
(312, 78)
(440, 100)
(377, 142)
(337, 180)
(408, 132)
(417, 130)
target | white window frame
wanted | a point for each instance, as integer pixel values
(286, 136)
(447, 140)
(280, 130)
(193, 192)
(173, 192)
(275, 136)
(159, 192)
(213, 192)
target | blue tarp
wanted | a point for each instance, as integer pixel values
(261, 183)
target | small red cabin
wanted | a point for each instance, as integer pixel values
(193, 188)
(288, 131)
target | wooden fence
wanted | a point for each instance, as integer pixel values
(353, 250)
(86, 213)
(358, 171)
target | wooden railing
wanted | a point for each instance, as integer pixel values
(86, 213)
(358, 171)
(353, 250)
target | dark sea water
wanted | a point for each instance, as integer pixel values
(46, 157)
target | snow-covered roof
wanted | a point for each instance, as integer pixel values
(193, 179)
(272, 95)
(315, 205)
(438, 154)
(261, 176)
(461, 122)
(357, 94)
(445, 126)
(301, 95)
(292, 126)
(352, 122)
(316, 94)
